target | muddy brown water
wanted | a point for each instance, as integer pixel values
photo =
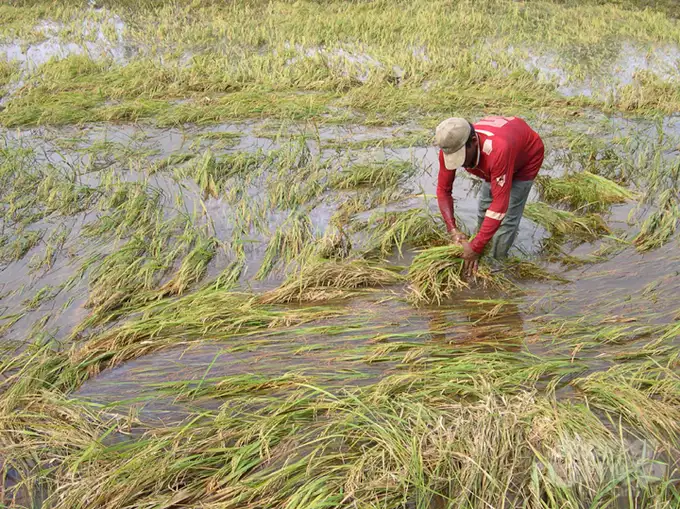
(630, 286)
(22, 282)
(72, 147)
(377, 333)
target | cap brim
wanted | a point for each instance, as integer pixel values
(455, 160)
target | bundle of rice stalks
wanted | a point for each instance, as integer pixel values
(416, 227)
(325, 280)
(563, 223)
(437, 273)
(583, 190)
(661, 225)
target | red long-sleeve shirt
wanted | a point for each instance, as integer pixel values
(509, 150)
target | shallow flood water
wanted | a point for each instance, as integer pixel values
(129, 150)
(107, 262)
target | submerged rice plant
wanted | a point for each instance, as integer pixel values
(335, 243)
(14, 247)
(232, 273)
(288, 242)
(212, 173)
(192, 268)
(525, 269)
(416, 227)
(382, 175)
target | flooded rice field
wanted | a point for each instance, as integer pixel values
(225, 281)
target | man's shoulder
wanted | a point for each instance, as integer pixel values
(498, 125)
(493, 146)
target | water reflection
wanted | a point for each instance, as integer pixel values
(494, 322)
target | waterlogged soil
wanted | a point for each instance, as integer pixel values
(575, 72)
(379, 334)
(132, 150)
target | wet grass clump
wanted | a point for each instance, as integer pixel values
(564, 224)
(327, 280)
(415, 228)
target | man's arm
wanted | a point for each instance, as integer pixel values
(445, 180)
(501, 184)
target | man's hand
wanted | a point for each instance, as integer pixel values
(457, 236)
(471, 258)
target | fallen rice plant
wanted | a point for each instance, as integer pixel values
(288, 242)
(661, 224)
(380, 175)
(416, 228)
(335, 244)
(325, 280)
(583, 191)
(525, 269)
(193, 267)
(566, 224)
(212, 173)
(15, 249)
(166, 323)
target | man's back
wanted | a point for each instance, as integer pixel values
(515, 140)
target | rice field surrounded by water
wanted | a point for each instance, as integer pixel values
(225, 282)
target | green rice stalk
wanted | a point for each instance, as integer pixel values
(563, 223)
(525, 269)
(437, 274)
(583, 191)
(415, 227)
(287, 243)
(661, 224)
(381, 175)
(171, 322)
(16, 247)
(212, 174)
(232, 273)
(192, 269)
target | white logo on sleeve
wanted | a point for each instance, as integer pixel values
(500, 180)
(488, 147)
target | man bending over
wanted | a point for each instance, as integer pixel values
(507, 154)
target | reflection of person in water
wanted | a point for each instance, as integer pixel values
(486, 321)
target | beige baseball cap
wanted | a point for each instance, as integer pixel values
(451, 136)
